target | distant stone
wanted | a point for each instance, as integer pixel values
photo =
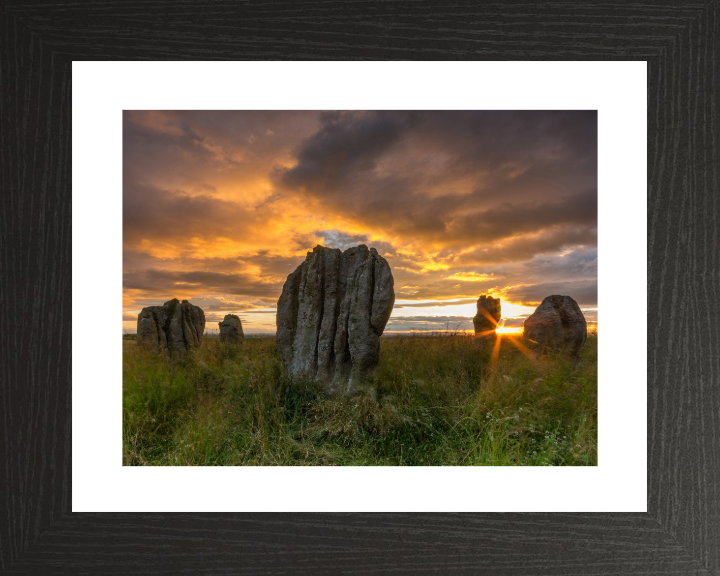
(331, 314)
(173, 327)
(231, 330)
(557, 324)
(487, 317)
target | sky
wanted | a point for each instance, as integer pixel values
(220, 206)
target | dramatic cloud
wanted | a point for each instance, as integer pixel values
(583, 291)
(220, 206)
(446, 179)
(167, 281)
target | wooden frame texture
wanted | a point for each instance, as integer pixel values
(680, 533)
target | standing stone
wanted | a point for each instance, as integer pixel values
(557, 324)
(173, 327)
(231, 330)
(487, 317)
(331, 314)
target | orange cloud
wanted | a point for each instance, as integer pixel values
(470, 277)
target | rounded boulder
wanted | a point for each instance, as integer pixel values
(557, 324)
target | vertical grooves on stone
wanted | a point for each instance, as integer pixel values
(371, 257)
(155, 318)
(183, 325)
(187, 334)
(168, 319)
(347, 359)
(342, 293)
(333, 326)
(331, 357)
(302, 284)
(191, 325)
(352, 304)
(188, 318)
(321, 279)
(294, 307)
(323, 316)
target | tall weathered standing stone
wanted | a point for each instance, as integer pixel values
(331, 314)
(174, 327)
(557, 324)
(231, 329)
(487, 317)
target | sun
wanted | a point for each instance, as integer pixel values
(509, 330)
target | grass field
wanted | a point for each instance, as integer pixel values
(442, 400)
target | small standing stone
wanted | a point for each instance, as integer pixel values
(173, 327)
(487, 317)
(231, 330)
(557, 324)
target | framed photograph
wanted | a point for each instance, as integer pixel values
(347, 230)
(78, 128)
(361, 288)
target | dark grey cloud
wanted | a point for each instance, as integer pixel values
(272, 267)
(578, 263)
(454, 177)
(520, 249)
(511, 219)
(346, 144)
(152, 213)
(170, 282)
(584, 292)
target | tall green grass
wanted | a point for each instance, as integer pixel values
(441, 401)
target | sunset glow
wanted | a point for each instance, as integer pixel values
(510, 330)
(220, 206)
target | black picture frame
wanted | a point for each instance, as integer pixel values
(680, 533)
